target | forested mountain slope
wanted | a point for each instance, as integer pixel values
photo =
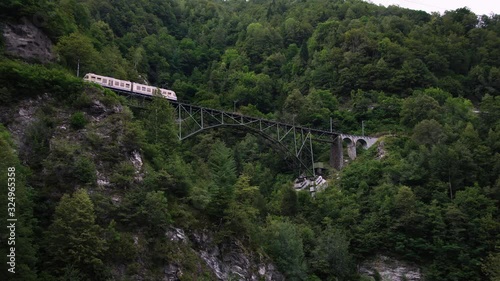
(100, 186)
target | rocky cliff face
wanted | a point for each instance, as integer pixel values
(228, 260)
(390, 269)
(26, 41)
(193, 255)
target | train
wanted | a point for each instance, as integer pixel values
(123, 85)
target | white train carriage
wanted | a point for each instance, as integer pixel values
(143, 89)
(168, 94)
(118, 84)
(109, 82)
(150, 90)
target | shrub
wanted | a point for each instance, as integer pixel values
(111, 98)
(123, 175)
(25, 80)
(78, 120)
(5, 96)
(85, 170)
(84, 100)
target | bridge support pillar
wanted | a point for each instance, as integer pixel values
(351, 150)
(336, 153)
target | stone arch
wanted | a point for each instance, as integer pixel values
(351, 147)
(347, 141)
(361, 143)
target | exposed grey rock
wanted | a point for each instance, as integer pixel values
(177, 235)
(391, 269)
(102, 180)
(230, 261)
(97, 108)
(381, 150)
(27, 41)
(136, 160)
(116, 199)
(20, 117)
(172, 272)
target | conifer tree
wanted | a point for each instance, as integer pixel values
(223, 168)
(159, 124)
(73, 240)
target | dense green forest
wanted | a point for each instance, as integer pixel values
(428, 84)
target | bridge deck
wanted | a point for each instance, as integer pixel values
(296, 140)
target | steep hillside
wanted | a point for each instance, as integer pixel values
(87, 153)
(105, 191)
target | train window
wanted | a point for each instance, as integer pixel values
(116, 83)
(104, 80)
(92, 77)
(138, 87)
(149, 89)
(144, 88)
(121, 84)
(127, 85)
(98, 78)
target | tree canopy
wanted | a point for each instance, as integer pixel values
(101, 183)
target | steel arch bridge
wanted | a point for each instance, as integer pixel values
(294, 140)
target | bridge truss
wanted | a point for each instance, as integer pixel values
(293, 140)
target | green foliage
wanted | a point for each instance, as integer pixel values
(260, 41)
(428, 132)
(284, 244)
(491, 267)
(193, 266)
(123, 175)
(223, 173)
(155, 212)
(85, 170)
(75, 49)
(490, 106)
(418, 108)
(5, 96)
(429, 82)
(73, 239)
(78, 120)
(55, 17)
(289, 203)
(242, 213)
(331, 258)
(38, 134)
(19, 196)
(64, 165)
(84, 100)
(24, 80)
(159, 125)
